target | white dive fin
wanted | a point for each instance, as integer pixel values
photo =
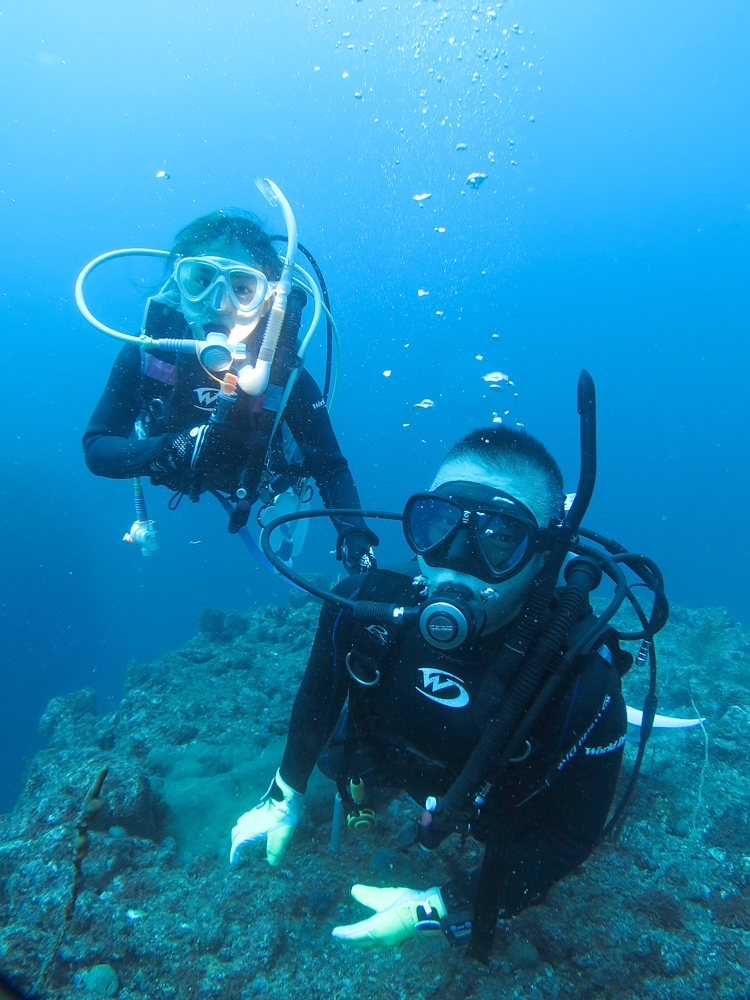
(635, 718)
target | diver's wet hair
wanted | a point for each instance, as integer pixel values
(509, 452)
(231, 224)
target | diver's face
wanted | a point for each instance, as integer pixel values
(217, 312)
(511, 593)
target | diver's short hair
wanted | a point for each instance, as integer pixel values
(229, 224)
(510, 452)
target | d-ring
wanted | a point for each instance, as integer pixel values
(523, 756)
(367, 684)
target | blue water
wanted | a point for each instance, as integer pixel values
(613, 233)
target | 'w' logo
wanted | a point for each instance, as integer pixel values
(438, 680)
(206, 398)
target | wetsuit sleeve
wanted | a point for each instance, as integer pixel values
(546, 838)
(107, 446)
(321, 695)
(308, 420)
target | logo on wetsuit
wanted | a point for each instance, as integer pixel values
(206, 398)
(436, 681)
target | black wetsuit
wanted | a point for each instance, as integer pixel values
(417, 727)
(170, 394)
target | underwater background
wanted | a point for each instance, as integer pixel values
(612, 232)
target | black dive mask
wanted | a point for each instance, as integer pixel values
(474, 529)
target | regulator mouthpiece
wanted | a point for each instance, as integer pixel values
(450, 618)
(215, 353)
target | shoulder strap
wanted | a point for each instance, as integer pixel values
(159, 369)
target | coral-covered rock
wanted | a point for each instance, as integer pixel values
(70, 718)
(221, 626)
(663, 913)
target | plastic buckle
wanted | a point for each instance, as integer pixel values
(457, 926)
(427, 919)
(361, 820)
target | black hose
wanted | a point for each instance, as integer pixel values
(650, 573)
(523, 689)
(586, 642)
(652, 578)
(561, 671)
(382, 613)
(647, 723)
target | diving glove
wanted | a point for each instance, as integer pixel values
(354, 548)
(172, 464)
(275, 817)
(400, 914)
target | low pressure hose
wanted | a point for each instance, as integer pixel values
(140, 500)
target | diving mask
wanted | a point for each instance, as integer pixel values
(203, 280)
(473, 529)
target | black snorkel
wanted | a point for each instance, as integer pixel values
(586, 400)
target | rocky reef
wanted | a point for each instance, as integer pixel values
(663, 911)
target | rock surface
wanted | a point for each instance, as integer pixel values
(662, 912)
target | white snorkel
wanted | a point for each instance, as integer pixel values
(253, 379)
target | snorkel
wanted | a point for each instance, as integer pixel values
(218, 351)
(253, 379)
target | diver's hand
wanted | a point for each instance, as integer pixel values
(275, 817)
(400, 914)
(354, 548)
(173, 461)
(203, 449)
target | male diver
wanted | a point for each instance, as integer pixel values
(493, 699)
(212, 396)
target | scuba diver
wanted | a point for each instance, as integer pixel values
(213, 395)
(475, 683)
